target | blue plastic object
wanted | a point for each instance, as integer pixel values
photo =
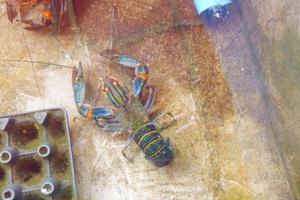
(213, 11)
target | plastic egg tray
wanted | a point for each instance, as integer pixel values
(36, 157)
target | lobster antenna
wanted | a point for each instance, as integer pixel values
(30, 57)
(37, 62)
(112, 32)
(105, 70)
(111, 40)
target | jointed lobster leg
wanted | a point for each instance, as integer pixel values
(165, 126)
(130, 140)
(79, 95)
(110, 125)
(150, 99)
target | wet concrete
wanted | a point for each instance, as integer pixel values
(216, 81)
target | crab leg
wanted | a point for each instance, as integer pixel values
(79, 95)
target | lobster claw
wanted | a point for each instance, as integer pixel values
(128, 61)
(138, 85)
(142, 75)
(79, 96)
(141, 70)
(78, 85)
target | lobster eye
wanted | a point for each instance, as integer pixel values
(116, 83)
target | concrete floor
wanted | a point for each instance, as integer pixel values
(236, 123)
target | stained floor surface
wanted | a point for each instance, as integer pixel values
(235, 101)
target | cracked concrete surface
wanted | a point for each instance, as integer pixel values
(230, 140)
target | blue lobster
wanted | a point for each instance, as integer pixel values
(125, 112)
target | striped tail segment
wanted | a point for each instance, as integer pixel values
(155, 148)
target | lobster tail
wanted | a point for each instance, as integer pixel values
(164, 156)
(155, 148)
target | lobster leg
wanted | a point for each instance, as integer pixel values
(79, 95)
(150, 100)
(126, 146)
(110, 125)
(173, 121)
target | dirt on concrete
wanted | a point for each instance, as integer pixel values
(207, 77)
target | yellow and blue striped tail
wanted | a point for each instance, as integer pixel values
(155, 148)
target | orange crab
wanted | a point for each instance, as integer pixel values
(38, 14)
